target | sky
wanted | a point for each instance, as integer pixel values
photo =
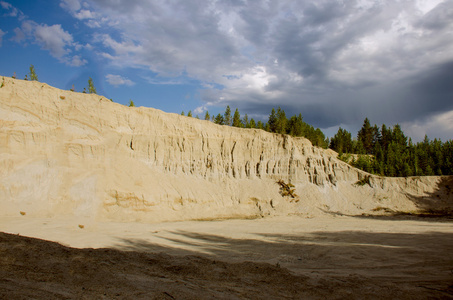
(336, 62)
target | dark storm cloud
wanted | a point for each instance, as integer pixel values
(438, 18)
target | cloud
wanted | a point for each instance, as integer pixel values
(336, 62)
(70, 5)
(165, 81)
(53, 38)
(77, 61)
(2, 33)
(118, 80)
(81, 12)
(84, 14)
(438, 126)
(13, 12)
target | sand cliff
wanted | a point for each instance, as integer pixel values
(65, 154)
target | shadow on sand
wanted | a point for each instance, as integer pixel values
(411, 261)
(348, 264)
(436, 206)
(438, 203)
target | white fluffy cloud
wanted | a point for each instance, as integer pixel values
(118, 80)
(53, 38)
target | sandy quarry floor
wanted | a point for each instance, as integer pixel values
(280, 257)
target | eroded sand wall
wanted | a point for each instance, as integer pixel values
(64, 153)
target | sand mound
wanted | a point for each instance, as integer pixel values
(72, 154)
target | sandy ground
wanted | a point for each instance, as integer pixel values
(280, 257)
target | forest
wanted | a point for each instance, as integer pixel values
(384, 151)
(389, 152)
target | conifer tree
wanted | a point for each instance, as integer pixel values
(91, 88)
(131, 103)
(365, 136)
(245, 121)
(182, 113)
(207, 117)
(237, 119)
(280, 126)
(272, 122)
(252, 123)
(260, 125)
(342, 141)
(296, 126)
(33, 76)
(227, 116)
(219, 120)
(189, 114)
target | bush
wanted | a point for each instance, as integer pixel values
(287, 189)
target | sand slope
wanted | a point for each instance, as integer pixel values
(72, 154)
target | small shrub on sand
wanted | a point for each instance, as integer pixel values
(23, 213)
(81, 226)
(287, 189)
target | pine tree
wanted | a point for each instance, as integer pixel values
(207, 117)
(237, 119)
(386, 137)
(296, 126)
(272, 122)
(342, 141)
(33, 76)
(260, 125)
(252, 123)
(227, 116)
(281, 121)
(131, 103)
(182, 113)
(219, 120)
(245, 121)
(365, 136)
(91, 88)
(189, 114)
